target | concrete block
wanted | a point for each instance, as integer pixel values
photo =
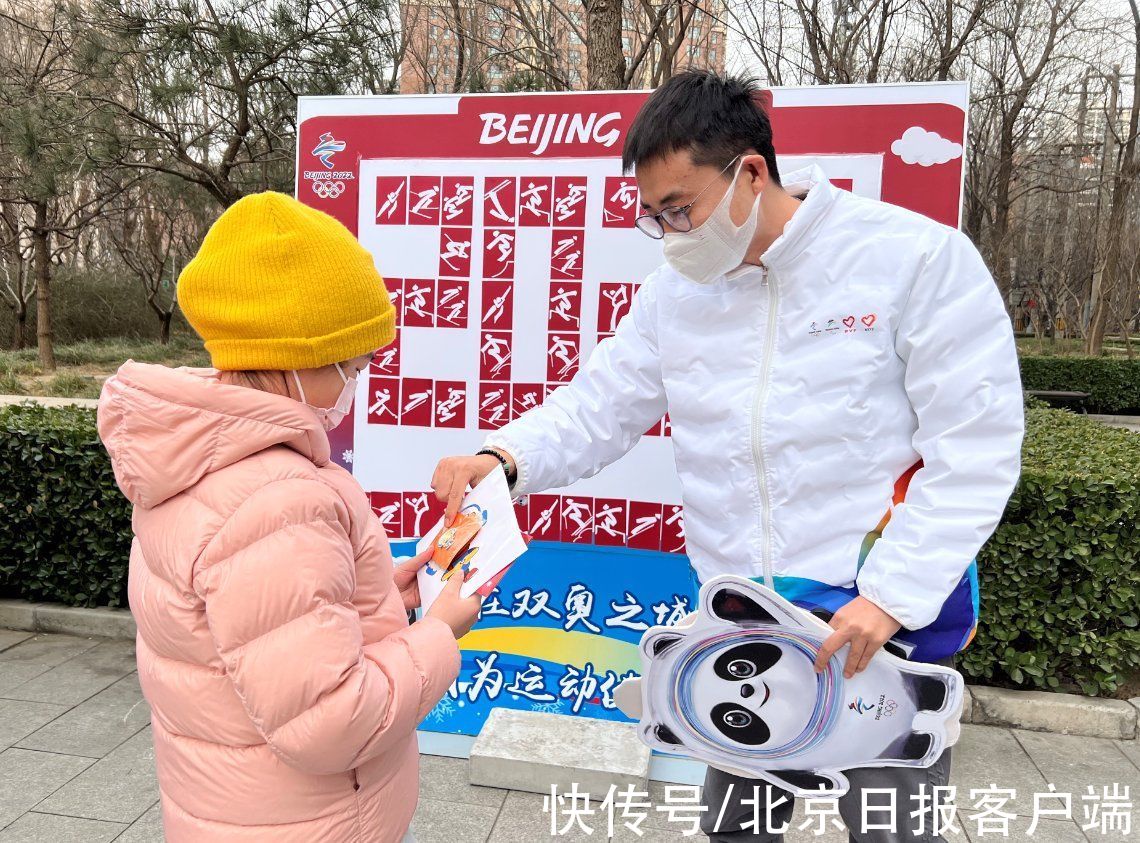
(72, 620)
(17, 614)
(1043, 711)
(967, 705)
(532, 751)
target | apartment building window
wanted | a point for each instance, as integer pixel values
(626, 45)
(496, 32)
(575, 57)
(433, 53)
(712, 55)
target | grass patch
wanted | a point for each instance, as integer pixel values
(68, 385)
(81, 367)
(1073, 347)
(182, 350)
(10, 384)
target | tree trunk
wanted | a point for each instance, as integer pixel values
(20, 326)
(1108, 276)
(42, 267)
(1003, 205)
(164, 328)
(458, 84)
(605, 62)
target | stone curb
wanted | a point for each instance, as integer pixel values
(1065, 714)
(67, 620)
(1038, 711)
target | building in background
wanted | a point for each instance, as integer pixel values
(517, 45)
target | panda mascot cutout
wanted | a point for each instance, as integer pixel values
(734, 685)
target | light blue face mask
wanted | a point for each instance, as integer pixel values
(332, 416)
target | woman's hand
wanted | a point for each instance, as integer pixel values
(406, 581)
(460, 613)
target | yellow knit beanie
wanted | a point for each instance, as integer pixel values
(279, 285)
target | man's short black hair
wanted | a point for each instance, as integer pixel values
(715, 117)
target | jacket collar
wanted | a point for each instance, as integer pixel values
(819, 195)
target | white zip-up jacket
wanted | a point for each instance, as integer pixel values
(846, 419)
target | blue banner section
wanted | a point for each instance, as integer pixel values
(560, 632)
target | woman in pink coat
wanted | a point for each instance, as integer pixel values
(273, 645)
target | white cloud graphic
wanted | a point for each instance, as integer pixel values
(918, 146)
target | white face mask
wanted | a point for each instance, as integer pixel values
(716, 246)
(332, 416)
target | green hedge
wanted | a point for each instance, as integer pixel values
(1113, 384)
(65, 529)
(1060, 580)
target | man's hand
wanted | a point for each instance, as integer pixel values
(865, 627)
(454, 475)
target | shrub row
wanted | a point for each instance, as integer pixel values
(1113, 384)
(65, 529)
(1060, 579)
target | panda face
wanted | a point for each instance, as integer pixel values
(750, 693)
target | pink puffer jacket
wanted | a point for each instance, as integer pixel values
(273, 647)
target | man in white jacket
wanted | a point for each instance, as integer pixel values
(843, 388)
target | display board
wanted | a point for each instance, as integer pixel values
(504, 228)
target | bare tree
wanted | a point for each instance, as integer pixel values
(1113, 271)
(15, 264)
(155, 229)
(47, 131)
(205, 90)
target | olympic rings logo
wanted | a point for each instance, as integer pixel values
(328, 189)
(889, 708)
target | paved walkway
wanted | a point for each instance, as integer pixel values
(76, 765)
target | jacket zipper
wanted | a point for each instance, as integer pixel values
(757, 416)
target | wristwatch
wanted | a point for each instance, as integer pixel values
(512, 475)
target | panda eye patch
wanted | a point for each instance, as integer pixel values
(745, 661)
(739, 724)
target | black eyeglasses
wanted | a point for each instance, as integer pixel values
(677, 218)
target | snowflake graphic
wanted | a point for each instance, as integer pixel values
(347, 457)
(443, 709)
(554, 707)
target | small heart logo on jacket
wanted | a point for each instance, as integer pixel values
(868, 320)
(848, 321)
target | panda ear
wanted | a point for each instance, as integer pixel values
(746, 603)
(735, 606)
(662, 641)
(664, 734)
(809, 783)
